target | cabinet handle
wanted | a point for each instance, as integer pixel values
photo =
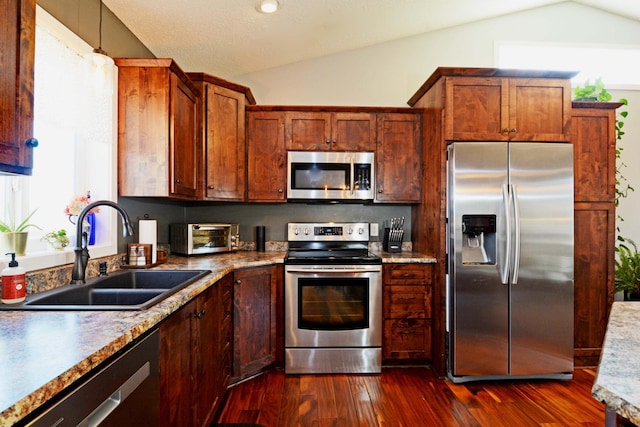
(238, 281)
(505, 130)
(333, 142)
(31, 143)
(380, 190)
(177, 181)
(407, 332)
(199, 314)
(211, 187)
(327, 141)
(407, 298)
(514, 130)
(280, 190)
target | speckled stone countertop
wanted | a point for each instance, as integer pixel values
(617, 384)
(42, 353)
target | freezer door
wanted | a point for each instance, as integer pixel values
(478, 306)
(541, 178)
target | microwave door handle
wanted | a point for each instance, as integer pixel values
(352, 173)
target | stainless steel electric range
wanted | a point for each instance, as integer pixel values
(333, 300)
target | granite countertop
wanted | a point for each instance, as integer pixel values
(617, 384)
(44, 352)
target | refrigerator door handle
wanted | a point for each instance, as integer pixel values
(506, 201)
(516, 230)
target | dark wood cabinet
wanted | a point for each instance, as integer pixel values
(407, 312)
(17, 45)
(266, 157)
(221, 121)
(254, 321)
(157, 130)
(507, 109)
(398, 158)
(594, 144)
(324, 131)
(195, 357)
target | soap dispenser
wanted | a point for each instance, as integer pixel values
(14, 282)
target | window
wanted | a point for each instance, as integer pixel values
(616, 65)
(75, 123)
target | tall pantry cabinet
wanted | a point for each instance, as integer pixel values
(594, 140)
(476, 104)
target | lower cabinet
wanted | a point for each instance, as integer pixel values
(407, 312)
(254, 320)
(195, 357)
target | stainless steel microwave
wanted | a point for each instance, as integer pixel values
(203, 238)
(330, 175)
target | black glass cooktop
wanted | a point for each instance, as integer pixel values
(334, 256)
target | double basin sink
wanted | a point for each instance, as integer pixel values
(121, 290)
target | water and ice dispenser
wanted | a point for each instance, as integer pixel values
(479, 239)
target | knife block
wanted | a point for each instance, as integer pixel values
(392, 240)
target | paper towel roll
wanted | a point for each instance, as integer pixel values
(149, 234)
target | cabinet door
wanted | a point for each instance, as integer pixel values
(399, 158)
(17, 45)
(183, 142)
(205, 336)
(266, 157)
(225, 170)
(175, 368)
(476, 109)
(353, 132)
(308, 131)
(254, 319)
(539, 110)
(594, 275)
(594, 154)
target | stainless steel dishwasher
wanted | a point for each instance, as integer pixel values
(126, 392)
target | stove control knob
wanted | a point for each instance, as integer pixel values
(350, 230)
(296, 231)
(306, 231)
(360, 230)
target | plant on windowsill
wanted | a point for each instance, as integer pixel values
(57, 239)
(13, 238)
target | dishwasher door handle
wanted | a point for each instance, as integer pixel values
(112, 402)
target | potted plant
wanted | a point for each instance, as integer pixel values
(13, 238)
(57, 239)
(627, 277)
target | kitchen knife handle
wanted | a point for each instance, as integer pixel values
(516, 223)
(506, 201)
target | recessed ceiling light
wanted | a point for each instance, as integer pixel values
(268, 6)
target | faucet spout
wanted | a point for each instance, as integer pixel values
(81, 251)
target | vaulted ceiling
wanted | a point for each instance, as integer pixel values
(230, 37)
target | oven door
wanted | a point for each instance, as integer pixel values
(333, 306)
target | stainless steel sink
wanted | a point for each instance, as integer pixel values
(122, 290)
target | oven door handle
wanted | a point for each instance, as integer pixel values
(334, 270)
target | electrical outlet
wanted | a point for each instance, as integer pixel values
(373, 229)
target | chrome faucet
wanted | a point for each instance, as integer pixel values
(82, 253)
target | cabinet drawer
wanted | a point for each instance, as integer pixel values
(407, 274)
(407, 339)
(408, 302)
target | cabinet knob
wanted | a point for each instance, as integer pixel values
(280, 190)
(327, 141)
(380, 190)
(514, 130)
(238, 281)
(31, 143)
(505, 130)
(211, 187)
(178, 181)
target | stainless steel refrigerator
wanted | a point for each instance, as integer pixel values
(510, 260)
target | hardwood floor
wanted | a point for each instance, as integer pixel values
(410, 397)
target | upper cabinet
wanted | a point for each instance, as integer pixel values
(266, 156)
(399, 158)
(221, 122)
(482, 104)
(325, 131)
(157, 130)
(17, 45)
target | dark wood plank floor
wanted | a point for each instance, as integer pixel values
(410, 397)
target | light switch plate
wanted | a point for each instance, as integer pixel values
(373, 229)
